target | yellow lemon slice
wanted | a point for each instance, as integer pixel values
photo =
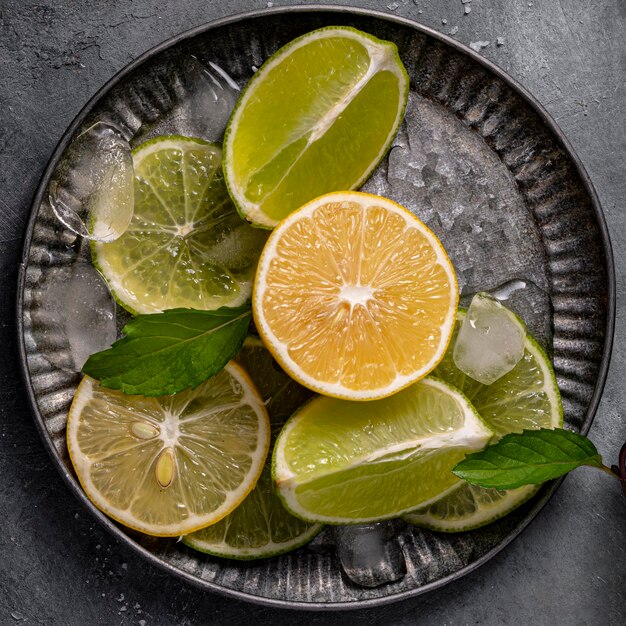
(173, 464)
(354, 296)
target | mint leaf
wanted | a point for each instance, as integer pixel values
(529, 458)
(167, 352)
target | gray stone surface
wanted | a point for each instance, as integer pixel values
(58, 567)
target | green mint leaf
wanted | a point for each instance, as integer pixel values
(529, 458)
(167, 352)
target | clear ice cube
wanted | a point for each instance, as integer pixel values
(91, 191)
(490, 342)
(370, 555)
(79, 311)
(206, 98)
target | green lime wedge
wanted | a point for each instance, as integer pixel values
(525, 398)
(343, 462)
(317, 117)
(260, 526)
(186, 246)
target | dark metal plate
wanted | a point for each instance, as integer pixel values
(478, 159)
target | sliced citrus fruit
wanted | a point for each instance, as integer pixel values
(260, 526)
(525, 398)
(169, 465)
(318, 116)
(186, 246)
(470, 507)
(354, 296)
(344, 462)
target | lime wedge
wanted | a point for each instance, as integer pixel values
(317, 117)
(343, 462)
(260, 526)
(525, 398)
(186, 246)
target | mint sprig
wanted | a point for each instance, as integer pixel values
(530, 458)
(164, 353)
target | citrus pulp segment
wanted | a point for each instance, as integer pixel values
(186, 245)
(318, 116)
(354, 296)
(260, 526)
(169, 465)
(342, 462)
(526, 398)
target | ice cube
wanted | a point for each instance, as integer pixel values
(91, 191)
(206, 98)
(370, 555)
(490, 342)
(79, 311)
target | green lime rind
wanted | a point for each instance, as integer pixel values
(464, 509)
(226, 551)
(260, 527)
(373, 482)
(470, 507)
(186, 245)
(245, 534)
(255, 215)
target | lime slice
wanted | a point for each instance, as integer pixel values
(525, 398)
(345, 462)
(470, 507)
(186, 246)
(260, 526)
(170, 465)
(317, 117)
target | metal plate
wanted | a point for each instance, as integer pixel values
(480, 161)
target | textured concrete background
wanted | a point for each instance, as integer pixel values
(58, 567)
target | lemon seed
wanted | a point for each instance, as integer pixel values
(165, 467)
(142, 430)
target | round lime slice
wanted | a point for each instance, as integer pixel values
(186, 246)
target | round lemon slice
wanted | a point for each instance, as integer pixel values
(354, 296)
(169, 465)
